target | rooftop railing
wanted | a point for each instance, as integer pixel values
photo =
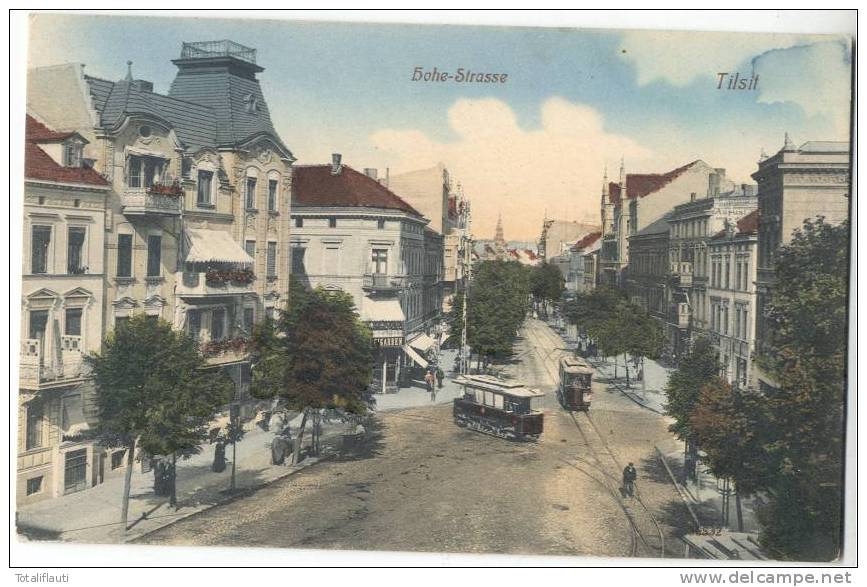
(224, 48)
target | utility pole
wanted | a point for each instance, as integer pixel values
(468, 270)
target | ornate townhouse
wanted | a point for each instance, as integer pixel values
(795, 184)
(646, 277)
(61, 315)
(637, 200)
(197, 214)
(731, 258)
(351, 233)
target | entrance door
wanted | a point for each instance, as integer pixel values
(75, 474)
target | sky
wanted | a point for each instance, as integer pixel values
(575, 101)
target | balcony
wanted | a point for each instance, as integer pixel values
(38, 369)
(229, 350)
(215, 282)
(160, 199)
(382, 283)
(681, 274)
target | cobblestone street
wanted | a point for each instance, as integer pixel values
(426, 485)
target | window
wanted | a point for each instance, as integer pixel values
(380, 224)
(249, 318)
(33, 433)
(75, 471)
(206, 182)
(117, 459)
(73, 322)
(250, 248)
(120, 322)
(124, 255)
(34, 485)
(155, 242)
(38, 324)
(40, 242)
(194, 323)
(299, 222)
(298, 261)
(72, 153)
(272, 195)
(144, 171)
(75, 250)
(332, 223)
(250, 198)
(380, 261)
(271, 260)
(218, 324)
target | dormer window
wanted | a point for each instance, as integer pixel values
(72, 153)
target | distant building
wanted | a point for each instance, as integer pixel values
(61, 315)
(351, 233)
(571, 261)
(558, 235)
(638, 199)
(732, 296)
(796, 184)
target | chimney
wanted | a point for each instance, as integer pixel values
(713, 183)
(143, 85)
(335, 163)
(371, 172)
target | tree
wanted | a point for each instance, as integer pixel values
(698, 368)
(496, 307)
(317, 356)
(546, 284)
(806, 357)
(590, 311)
(153, 391)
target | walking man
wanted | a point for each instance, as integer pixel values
(440, 375)
(629, 476)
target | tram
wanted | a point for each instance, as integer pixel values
(505, 409)
(575, 389)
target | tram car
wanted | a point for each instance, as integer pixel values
(575, 389)
(504, 409)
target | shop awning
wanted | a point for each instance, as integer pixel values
(415, 356)
(421, 342)
(388, 310)
(214, 246)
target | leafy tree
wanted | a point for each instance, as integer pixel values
(496, 307)
(317, 356)
(807, 360)
(154, 391)
(590, 311)
(699, 367)
(546, 284)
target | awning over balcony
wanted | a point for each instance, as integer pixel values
(414, 356)
(214, 246)
(388, 310)
(421, 342)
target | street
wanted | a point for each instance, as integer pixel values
(426, 485)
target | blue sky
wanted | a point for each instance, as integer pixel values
(574, 101)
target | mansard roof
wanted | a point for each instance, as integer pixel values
(318, 186)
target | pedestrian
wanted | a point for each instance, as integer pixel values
(629, 476)
(429, 381)
(440, 376)
(219, 464)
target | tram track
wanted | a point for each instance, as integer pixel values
(645, 528)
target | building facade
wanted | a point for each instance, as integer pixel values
(731, 255)
(351, 233)
(646, 277)
(61, 316)
(795, 184)
(559, 235)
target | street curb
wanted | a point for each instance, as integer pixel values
(678, 487)
(630, 395)
(240, 493)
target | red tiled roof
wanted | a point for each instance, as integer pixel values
(315, 185)
(749, 223)
(639, 185)
(588, 240)
(39, 165)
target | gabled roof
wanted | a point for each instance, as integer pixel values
(639, 185)
(585, 242)
(317, 186)
(39, 165)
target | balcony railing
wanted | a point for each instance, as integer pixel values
(383, 282)
(37, 369)
(160, 199)
(215, 282)
(229, 350)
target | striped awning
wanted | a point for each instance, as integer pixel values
(214, 246)
(419, 360)
(421, 342)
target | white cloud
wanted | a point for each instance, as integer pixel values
(521, 173)
(679, 57)
(817, 77)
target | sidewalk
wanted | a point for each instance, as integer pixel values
(649, 393)
(416, 396)
(93, 515)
